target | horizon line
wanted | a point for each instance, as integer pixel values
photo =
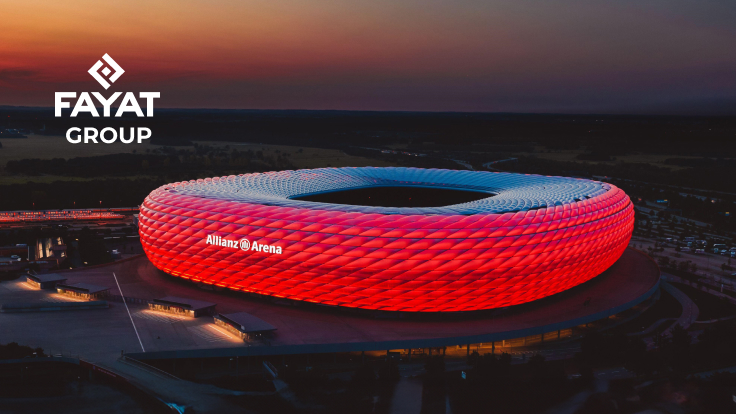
(611, 114)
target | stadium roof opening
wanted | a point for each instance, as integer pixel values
(396, 196)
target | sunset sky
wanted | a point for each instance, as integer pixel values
(599, 56)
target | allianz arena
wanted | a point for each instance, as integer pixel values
(393, 239)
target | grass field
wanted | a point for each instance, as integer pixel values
(306, 157)
(571, 155)
(47, 147)
(710, 306)
(543, 152)
(666, 307)
(37, 146)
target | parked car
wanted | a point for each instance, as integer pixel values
(717, 248)
(699, 251)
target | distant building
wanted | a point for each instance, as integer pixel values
(50, 248)
(31, 216)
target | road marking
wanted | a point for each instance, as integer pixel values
(129, 315)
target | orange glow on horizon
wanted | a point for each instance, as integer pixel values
(400, 54)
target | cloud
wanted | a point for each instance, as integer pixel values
(15, 74)
(18, 78)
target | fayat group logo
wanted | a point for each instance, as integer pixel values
(106, 72)
(116, 71)
(242, 244)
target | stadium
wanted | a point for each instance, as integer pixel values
(390, 239)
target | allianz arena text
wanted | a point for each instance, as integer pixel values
(523, 237)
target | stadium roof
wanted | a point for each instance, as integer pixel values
(507, 192)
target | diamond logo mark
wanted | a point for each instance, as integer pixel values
(103, 79)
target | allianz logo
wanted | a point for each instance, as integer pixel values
(242, 244)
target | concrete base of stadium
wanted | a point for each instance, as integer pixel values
(145, 334)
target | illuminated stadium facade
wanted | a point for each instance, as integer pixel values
(511, 239)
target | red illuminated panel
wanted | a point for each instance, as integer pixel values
(393, 262)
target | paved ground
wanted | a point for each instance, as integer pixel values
(100, 335)
(407, 398)
(109, 331)
(602, 380)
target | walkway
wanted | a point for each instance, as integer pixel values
(600, 385)
(652, 328)
(407, 398)
(690, 310)
(202, 398)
